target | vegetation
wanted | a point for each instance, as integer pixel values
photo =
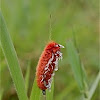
(25, 30)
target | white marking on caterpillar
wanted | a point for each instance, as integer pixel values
(49, 62)
(46, 71)
(42, 78)
(52, 66)
(61, 46)
(56, 64)
(58, 55)
(49, 84)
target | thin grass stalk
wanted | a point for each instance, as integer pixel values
(94, 86)
(27, 76)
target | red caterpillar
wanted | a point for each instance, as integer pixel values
(47, 65)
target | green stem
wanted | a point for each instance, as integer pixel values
(27, 76)
(94, 86)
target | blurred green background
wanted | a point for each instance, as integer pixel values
(28, 23)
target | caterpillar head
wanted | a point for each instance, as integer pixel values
(54, 47)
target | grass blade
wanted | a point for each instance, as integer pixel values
(27, 76)
(36, 92)
(12, 60)
(76, 65)
(49, 94)
(94, 86)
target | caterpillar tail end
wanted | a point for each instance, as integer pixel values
(44, 92)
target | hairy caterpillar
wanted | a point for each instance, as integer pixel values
(47, 65)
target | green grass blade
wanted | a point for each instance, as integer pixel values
(94, 86)
(12, 60)
(36, 92)
(49, 94)
(27, 76)
(75, 63)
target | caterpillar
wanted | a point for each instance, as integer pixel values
(47, 65)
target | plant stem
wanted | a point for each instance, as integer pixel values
(94, 86)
